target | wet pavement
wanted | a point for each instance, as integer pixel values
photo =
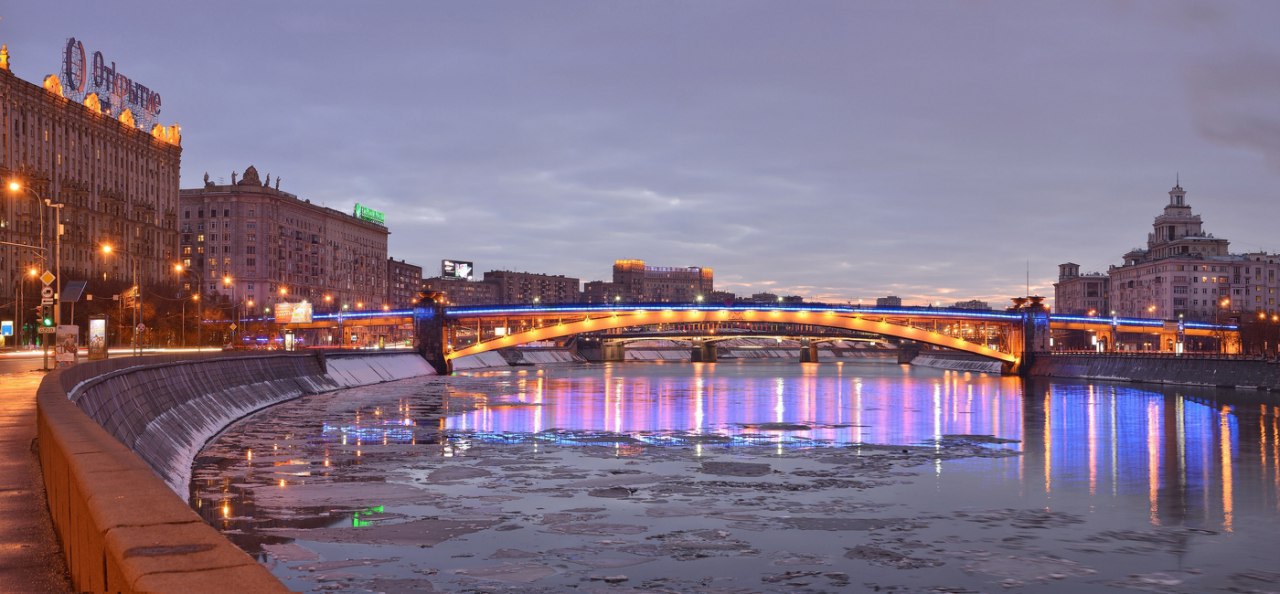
(751, 479)
(30, 557)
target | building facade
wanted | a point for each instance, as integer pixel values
(458, 291)
(531, 287)
(117, 184)
(258, 246)
(1081, 294)
(404, 282)
(1186, 273)
(634, 281)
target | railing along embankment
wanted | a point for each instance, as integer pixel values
(111, 432)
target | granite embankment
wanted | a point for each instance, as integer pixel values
(111, 433)
(1222, 372)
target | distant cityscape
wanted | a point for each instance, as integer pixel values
(126, 229)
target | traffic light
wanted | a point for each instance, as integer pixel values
(47, 320)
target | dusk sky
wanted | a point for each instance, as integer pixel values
(836, 150)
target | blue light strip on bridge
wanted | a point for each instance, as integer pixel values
(1145, 322)
(484, 310)
(468, 311)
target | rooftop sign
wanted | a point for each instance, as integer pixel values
(365, 213)
(116, 92)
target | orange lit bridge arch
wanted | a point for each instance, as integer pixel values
(453, 332)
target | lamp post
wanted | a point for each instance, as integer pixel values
(16, 186)
(342, 338)
(235, 307)
(178, 268)
(199, 322)
(107, 249)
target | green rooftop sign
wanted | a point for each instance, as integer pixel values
(365, 213)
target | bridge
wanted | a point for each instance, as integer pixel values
(446, 333)
(1012, 337)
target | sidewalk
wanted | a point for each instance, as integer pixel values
(30, 558)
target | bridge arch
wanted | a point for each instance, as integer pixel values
(597, 321)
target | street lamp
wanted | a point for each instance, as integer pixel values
(16, 186)
(235, 307)
(199, 322)
(137, 301)
(178, 269)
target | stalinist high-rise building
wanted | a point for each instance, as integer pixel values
(1183, 273)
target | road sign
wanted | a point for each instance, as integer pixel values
(141, 327)
(46, 301)
(47, 330)
(46, 293)
(47, 278)
(233, 326)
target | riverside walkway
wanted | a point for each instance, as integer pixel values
(30, 557)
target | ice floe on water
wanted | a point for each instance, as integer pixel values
(368, 491)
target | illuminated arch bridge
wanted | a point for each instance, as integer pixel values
(447, 333)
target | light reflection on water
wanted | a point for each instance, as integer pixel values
(1189, 456)
(842, 404)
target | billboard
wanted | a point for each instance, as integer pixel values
(67, 346)
(293, 313)
(456, 269)
(370, 215)
(97, 338)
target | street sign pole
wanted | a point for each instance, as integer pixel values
(46, 301)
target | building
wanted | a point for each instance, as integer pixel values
(117, 184)
(459, 291)
(1081, 294)
(258, 245)
(889, 301)
(976, 304)
(636, 282)
(532, 287)
(1186, 273)
(404, 282)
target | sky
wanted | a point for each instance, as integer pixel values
(841, 151)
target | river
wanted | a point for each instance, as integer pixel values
(754, 477)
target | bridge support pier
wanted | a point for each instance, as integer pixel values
(613, 352)
(703, 352)
(808, 352)
(1035, 337)
(429, 327)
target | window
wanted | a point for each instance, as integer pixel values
(200, 238)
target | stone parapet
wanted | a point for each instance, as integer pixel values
(108, 431)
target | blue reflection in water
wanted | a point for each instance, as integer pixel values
(841, 404)
(1176, 454)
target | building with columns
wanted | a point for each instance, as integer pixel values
(1183, 273)
(251, 242)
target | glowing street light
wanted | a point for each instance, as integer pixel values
(15, 186)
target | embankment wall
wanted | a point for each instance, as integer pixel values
(108, 431)
(1223, 372)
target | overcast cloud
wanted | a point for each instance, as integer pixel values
(837, 150)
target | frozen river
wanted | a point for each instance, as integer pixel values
(754, 477)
